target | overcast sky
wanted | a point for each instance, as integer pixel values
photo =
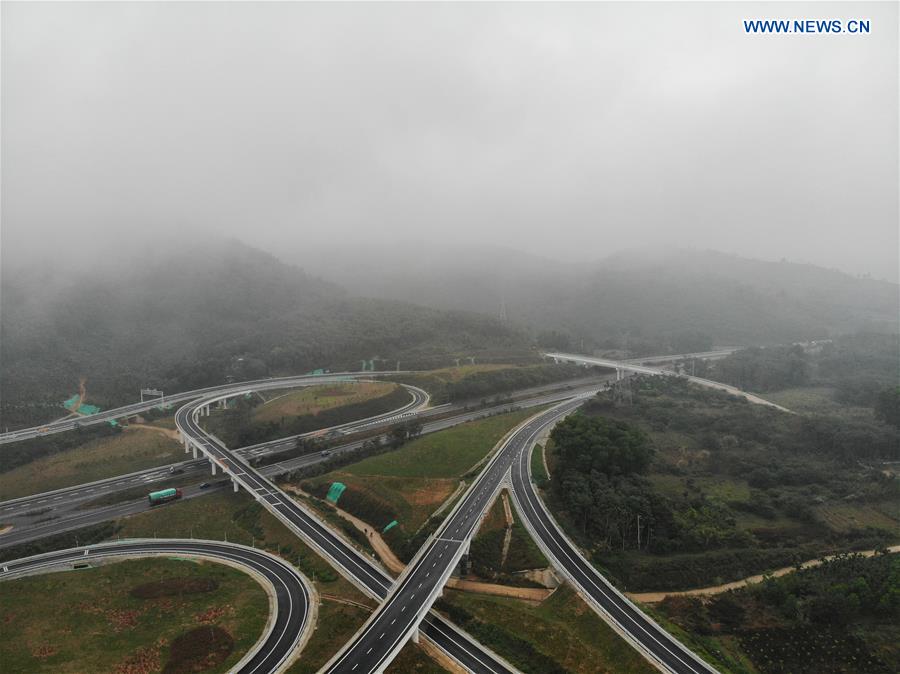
(570, 131)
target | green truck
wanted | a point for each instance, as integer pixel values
(163, 496)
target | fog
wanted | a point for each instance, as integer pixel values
(567, 131)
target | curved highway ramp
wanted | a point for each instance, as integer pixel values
(287, 626)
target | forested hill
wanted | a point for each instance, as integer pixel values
(194, 317)
(647, 301)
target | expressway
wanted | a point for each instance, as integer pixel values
(71, 423)
(68, 508)
(287, 626)
(653, 642)
(370, 650)
(361, 571)
(400, 614)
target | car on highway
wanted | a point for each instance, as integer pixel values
(205, 485)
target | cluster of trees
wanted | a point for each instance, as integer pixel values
(839, 591)
(887, 406)
(597, 480)
(764, 369)
(792, 464)
(489, 382)
(863, 370)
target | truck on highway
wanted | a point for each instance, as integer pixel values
(163, 496)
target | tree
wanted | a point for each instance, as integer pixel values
(887, 406)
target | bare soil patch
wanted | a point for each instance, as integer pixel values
(199, 649)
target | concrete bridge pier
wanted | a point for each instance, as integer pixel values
(213, 464)
(237, 487)
(194, 447)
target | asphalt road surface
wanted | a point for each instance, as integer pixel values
(48, 513)
(73, 422)
(363, 572)
(396, 620)
(292, 596)
(660, 647)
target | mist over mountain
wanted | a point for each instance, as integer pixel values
(640, 300)
(199, 315)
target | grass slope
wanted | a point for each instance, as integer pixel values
(88, 620)
(447, 454)
(239, 519)
(410, 483)
(560, 635)
(314, 399)
(114, 455)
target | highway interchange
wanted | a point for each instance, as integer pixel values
(289, 590)
(405, 604)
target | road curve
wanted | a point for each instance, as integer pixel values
(292, 593)
(360, 570)
(71, 423)
(652, 641)
(399, 616)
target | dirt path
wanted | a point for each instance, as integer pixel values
(507, 536)
(535, 594)
(168, 432)
(390, 560)
(382, 549)
(342, 600)
(654, 597)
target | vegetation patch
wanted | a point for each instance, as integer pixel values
(668, 486)
(248, 421)
(336, 624)
(522, 554)
(174, 587)
(68, 539)
(108, 456)
(841, 616)
(538, 472)
(445, 454)
(199, 650)
(482, 381)
(312, 400)
(409, 483)
(92, 620)
(562, 634)
(236, 517)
